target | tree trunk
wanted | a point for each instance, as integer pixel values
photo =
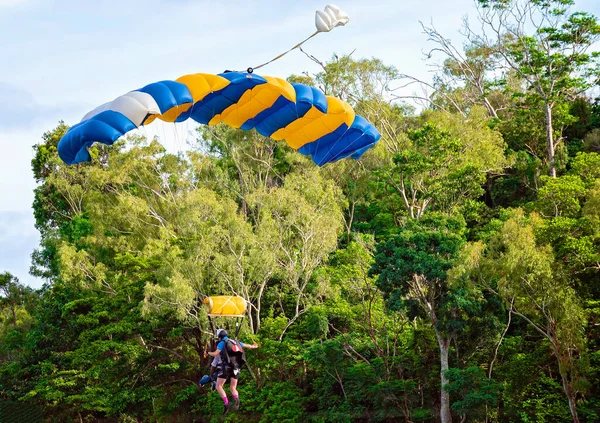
(551, 334)
(550, 140)
(571, 398)
(488, 106)
(258, 304)
(567, 387)
(445, 415)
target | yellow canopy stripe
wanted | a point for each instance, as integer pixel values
(254, 101)
(315, 124)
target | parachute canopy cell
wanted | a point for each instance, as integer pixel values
(323, 127)
(226, 306)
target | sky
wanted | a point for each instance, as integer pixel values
(62, 58)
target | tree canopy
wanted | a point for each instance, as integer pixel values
(450, 274)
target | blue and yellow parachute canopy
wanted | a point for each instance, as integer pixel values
(323, 127)
(226, 306)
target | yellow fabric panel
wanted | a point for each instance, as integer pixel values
(201, 84)
(297, 125)
(226, 306)
(254, 101)
(286, 89)
(173, 113)
(170, 115)
(315, 124)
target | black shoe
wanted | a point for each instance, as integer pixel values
(236, 404)
(226, 409)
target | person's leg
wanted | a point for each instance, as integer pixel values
(221, 391)
(233, 388)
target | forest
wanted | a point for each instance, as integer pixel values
(452, 274)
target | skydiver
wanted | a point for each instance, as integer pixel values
(227, 371)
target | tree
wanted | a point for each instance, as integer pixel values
(528, 62)
(17, 306)
(13, 294)
(464, 78)
(525, 276)
(553, 62)
(445, 162)
(412, 266)
(571, 225)
(89, 353)
(300, 222)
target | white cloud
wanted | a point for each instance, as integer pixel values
(19, 110)
(18, 239)
(17, 107)
(10, 3)
(17, 183)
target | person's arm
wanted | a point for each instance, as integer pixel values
(251, 346)
(214, 353)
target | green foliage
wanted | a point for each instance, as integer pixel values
(560, 196)
(542, 52)
(277, 402)
(591, 141)
(587, 166)
(374, 288)
(476, 391)
(425, 247)
(441, 168)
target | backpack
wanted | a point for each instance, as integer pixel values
(234, 355)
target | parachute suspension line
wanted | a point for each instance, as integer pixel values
(212, 327)
(325, 21)
(210, 323)
(210, 340)
(237, 327)
(179, 138)
(252, 69)
(173, 130)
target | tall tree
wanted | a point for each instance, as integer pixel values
(547, 47)
(412, 267)
(445, 162)
(463, 80)
(524, 274)
(300, 221)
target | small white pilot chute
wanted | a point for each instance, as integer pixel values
(325, 21)
(332, 17)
